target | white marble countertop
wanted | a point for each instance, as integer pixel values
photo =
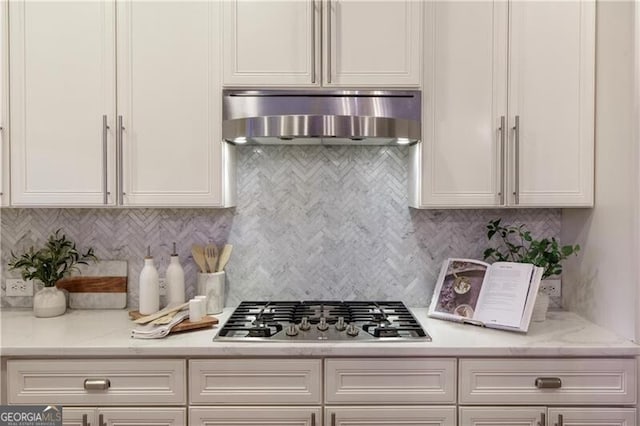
(106, 333)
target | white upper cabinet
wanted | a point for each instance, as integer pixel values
(161, 145)
(464, 101)
(271, 43)
(476, 89)
(62, 70)
(169, 98)
(361, 43)
(372, 43)
(552, 93)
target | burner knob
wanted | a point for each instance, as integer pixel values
(322, 325)
(340, 325)
(291, 330)
(304, 324)
(352, 330)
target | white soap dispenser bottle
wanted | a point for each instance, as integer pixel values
(149, 286)
(175, 280)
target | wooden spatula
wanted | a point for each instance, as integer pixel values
(211, 256)
(198, 256)
(224, 257)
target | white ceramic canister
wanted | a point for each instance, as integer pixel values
(212, 285)
(149, 287)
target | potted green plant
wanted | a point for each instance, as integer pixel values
(56, 260)
(516, 244)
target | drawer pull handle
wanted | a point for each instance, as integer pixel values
(97, 384)
(543, 420)
(548, 382)
(560, 420)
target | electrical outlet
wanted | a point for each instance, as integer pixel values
(19, 287)
(163, 286)
(551, 288)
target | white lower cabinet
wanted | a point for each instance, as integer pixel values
(503, 416)
(390, 416)
(255, 416)
(591, 417)
(147, 416)
(543, 416)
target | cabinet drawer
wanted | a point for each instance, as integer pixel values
(255, 416)
(259, 381)
(581, 381)
(390, 381)
(68, 382)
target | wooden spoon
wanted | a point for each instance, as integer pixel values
(211, 256)
(198, 256)
(224, 256)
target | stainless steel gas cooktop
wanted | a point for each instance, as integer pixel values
(322, 321)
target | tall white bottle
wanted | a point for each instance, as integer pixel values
(175, 280)
(149, 286)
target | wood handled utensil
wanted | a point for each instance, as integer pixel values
(224, 257)
(211, 256)
(198, 256)
(161, 313)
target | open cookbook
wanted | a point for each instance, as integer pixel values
(500, 295)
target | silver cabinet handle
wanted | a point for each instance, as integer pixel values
(543, 420)
(313, 419)
(329, 38)
(548, 382)
(502, 135)
(105, 164)
(120, 166)
(313, 41)
(560, 420)
(97, 384)
(333, 419)
(516, 183)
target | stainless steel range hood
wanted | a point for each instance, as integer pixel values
(314, 117)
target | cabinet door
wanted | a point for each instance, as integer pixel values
(390, 416)
(461, 157)
(271, 42)
(169, 97)
(592, 416)
(62, 65)
(142, 416)
(552, 61)
(255, 416)
(503, 416)
(78, 416)
(373, 43)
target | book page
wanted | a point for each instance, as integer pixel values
(458, 288)
(504, 294)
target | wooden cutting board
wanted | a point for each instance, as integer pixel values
(99, 285)
(185, 325)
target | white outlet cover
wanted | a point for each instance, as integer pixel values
(18, 287)
(162, 283)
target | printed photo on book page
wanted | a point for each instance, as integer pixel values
(460, 290)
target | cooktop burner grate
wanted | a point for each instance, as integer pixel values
(322, 320)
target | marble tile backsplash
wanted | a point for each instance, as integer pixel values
(311, 222)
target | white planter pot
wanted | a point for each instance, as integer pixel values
(49, 302)
(540, 308)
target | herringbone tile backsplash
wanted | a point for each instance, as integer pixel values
(312, 222)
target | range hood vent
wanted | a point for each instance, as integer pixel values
(327, 117)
